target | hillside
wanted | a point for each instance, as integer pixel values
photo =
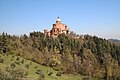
(114, 40)
(14, 68)
(66, 55)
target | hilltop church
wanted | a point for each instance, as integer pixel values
(58, 28)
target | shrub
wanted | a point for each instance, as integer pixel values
(30, 63)
(1, 60)
(41, 74)
(36, 67)
(11, 59)
(18, 63)
(13, 65)
(17, 58)
(22, 61)
(49, 74)
(27, 66)
(13, 56)
(59, 74)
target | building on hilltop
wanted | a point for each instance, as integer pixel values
(58, 28)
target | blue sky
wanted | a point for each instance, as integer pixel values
(94, 17)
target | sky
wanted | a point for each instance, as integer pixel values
(93, 17)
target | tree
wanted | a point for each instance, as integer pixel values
(4, 43)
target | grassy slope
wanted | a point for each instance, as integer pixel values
(33, 67)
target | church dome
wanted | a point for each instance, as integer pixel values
(58, 20)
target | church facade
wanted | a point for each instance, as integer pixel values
(58, 28)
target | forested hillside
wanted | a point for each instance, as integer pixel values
(85, 55)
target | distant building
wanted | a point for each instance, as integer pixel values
(58, 28)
